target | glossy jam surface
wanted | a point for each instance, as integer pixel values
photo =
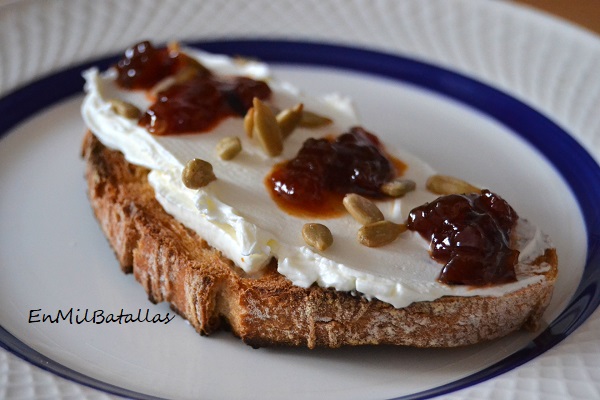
(195, 104)
(471, 235)
(198, 104)
(142, 66)
(314, 182)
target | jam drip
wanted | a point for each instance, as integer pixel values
(195, 104)
(315, 181)
(471, 235)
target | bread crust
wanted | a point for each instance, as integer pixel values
(175, 265)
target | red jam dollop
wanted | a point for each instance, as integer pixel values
(143, 66)
(470, 233)
(200, 103)
(315, 181)
(196, 104)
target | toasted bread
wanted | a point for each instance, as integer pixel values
(175, 265)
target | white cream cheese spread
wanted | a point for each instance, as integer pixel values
(236, 214)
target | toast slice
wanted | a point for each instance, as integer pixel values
(175, 265)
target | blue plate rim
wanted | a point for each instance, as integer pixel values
(525, 121)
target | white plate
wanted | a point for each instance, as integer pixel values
(54, 256)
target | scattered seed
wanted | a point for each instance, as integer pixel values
(190, 68)
(249, 122)
(265, 129)
(379, 233)
(443, 184)
(289, 119)
(229, 147)
(173, 47)
(362, 209)
(197, 173)
(125, 109)
(162, 85)
(196, 66)
(317, 235)
(398, 187)
(183, 75)
(188, 72)
(313, 120)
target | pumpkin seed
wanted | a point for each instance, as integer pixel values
(229, 147)
(194, 65)
(125, 109)
(197, 173)
(190, 69)
(249, 122)
(265, 129)
(379, 233)
(317, 235)
(398, 187)
(362, 209)
(443, 184)
(162, 85)
(188, 72)
(289, 119)
(173, 47)
(183, 75)
(313, 120)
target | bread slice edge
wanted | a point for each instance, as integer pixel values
(174, 264)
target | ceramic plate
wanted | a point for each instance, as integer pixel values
(472, 116)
